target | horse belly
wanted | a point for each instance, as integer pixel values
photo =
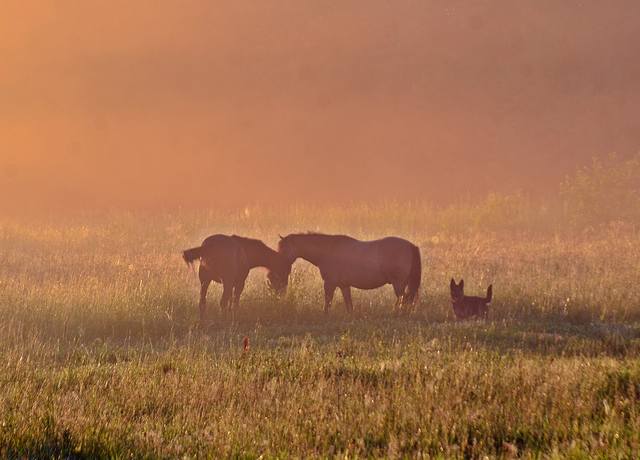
(363, 279)
(373, 276)
(368, 284)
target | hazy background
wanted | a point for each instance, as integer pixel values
(182, 103)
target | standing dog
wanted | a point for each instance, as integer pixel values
(466, 306)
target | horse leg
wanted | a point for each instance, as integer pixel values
(226, 295)
(204, 286)
(237, 292)
(405, 300)
(399, 289)
(329, 289)
(346, 294)
(205, 281)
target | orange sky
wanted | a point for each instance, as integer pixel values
(165, 103)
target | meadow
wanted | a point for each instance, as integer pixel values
(101, 354)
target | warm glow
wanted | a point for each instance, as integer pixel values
(158, 104)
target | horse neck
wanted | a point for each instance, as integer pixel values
(261, 256)
(311, 251)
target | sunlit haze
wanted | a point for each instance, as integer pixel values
(190, 103)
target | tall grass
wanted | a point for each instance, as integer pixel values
(101, 356)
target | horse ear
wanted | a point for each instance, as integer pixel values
(452, 284)
(461, 284)
(281, 237)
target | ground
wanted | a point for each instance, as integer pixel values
(101, 354)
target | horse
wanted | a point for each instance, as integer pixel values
(345, 262)
(228, 260)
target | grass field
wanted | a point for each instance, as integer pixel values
(101, 356)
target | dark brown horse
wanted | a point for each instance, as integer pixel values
(345, 262)
(228, 259)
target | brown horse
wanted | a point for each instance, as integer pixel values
(228, 259)
(345, 262)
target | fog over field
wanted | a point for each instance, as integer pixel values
(154, 104)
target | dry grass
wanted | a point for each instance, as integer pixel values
(100, 354)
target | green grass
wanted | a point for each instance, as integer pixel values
(101, 356)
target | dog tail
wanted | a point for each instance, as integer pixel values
(489, 293)
(415, 276)
(192, 254)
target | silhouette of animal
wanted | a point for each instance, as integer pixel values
(345, 262)
(467, 306)
(228, 260)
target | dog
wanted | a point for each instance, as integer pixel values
(466, 306)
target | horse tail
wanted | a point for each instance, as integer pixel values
(415, 275)
(192, 254)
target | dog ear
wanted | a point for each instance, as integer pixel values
(453, 284)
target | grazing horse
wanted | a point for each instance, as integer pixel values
(228, 259)
(345, 262)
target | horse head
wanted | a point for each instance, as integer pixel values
(278, 278)
(287, 248)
